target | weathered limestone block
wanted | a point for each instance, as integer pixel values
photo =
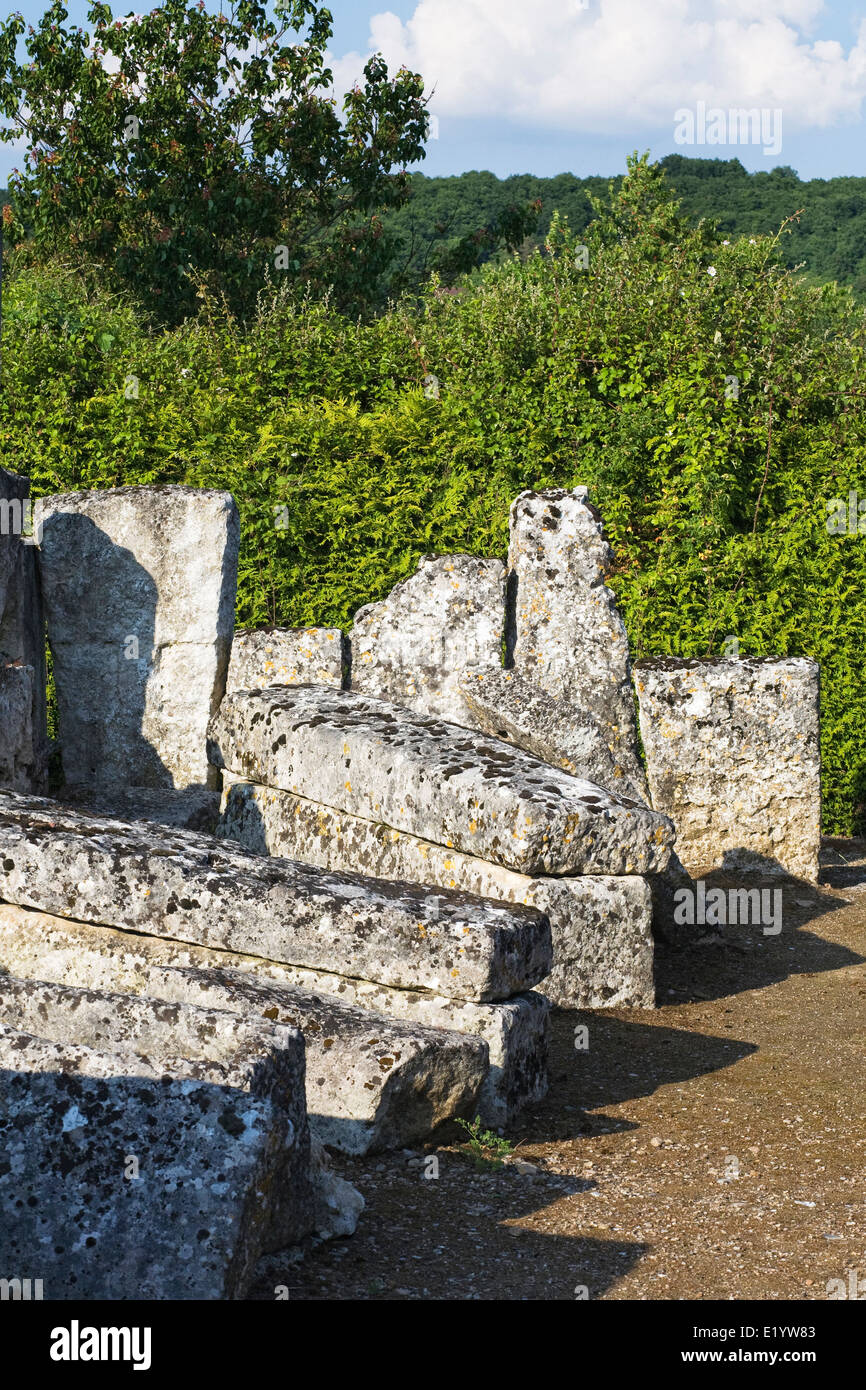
(411, 647)
(434, 780)
(178, 883)
(601, 925)
(287, 656)
(184, 808)
(565, 632)
(372, 1083)
(261, 1056)
(17, 753)
(509, 706)
(188, 1219)
(139, 586)
(733, 754)
(23, 733)
(36, 945)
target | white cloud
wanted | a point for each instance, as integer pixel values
(618, 65)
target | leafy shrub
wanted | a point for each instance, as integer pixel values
(712, 402)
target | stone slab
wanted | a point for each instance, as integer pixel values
(260, 1056)
(509, 706)
(372, 1083)
(600, 924)
(733, 754)
(18, 770)
(183, 808)
(410, 647)
(139, 588)
(38, 945)
(202, 1154)
(435, 780)
(23, 731)
(565, 632)
(287, 656)
(149, 878)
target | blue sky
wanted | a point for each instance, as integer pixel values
(546, 86)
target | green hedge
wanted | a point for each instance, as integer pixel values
(619, 375)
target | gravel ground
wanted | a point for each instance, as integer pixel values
(712, 1149)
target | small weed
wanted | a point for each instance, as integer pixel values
(486, 1148)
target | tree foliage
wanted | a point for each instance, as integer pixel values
(827, 239)
(181, 147)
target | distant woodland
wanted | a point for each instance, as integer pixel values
(827, 241)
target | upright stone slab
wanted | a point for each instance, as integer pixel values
(17, 753)
(565, 632)
(128, 1179)
(139, 586)
(434, 780)
(37, 945)
(151, 879)
(23, 734)
(509, 706)
(287, 656)
(411, 647)
(733, 755)
(601, 925)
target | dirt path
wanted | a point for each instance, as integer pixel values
(715, 1148)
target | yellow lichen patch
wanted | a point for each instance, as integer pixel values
(455, 973)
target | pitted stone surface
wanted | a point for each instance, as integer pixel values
(139, 587)
(435, 780)
(733, 754)
(372, 1083)
(204, 1203)
(411, 647)
(509, 706)
(38, 945)
(148, 878)
(566, 634)
(23, 734)
(601, 925)
(184, 808)
(263, 1057)
(18, 770)
(287, 656)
